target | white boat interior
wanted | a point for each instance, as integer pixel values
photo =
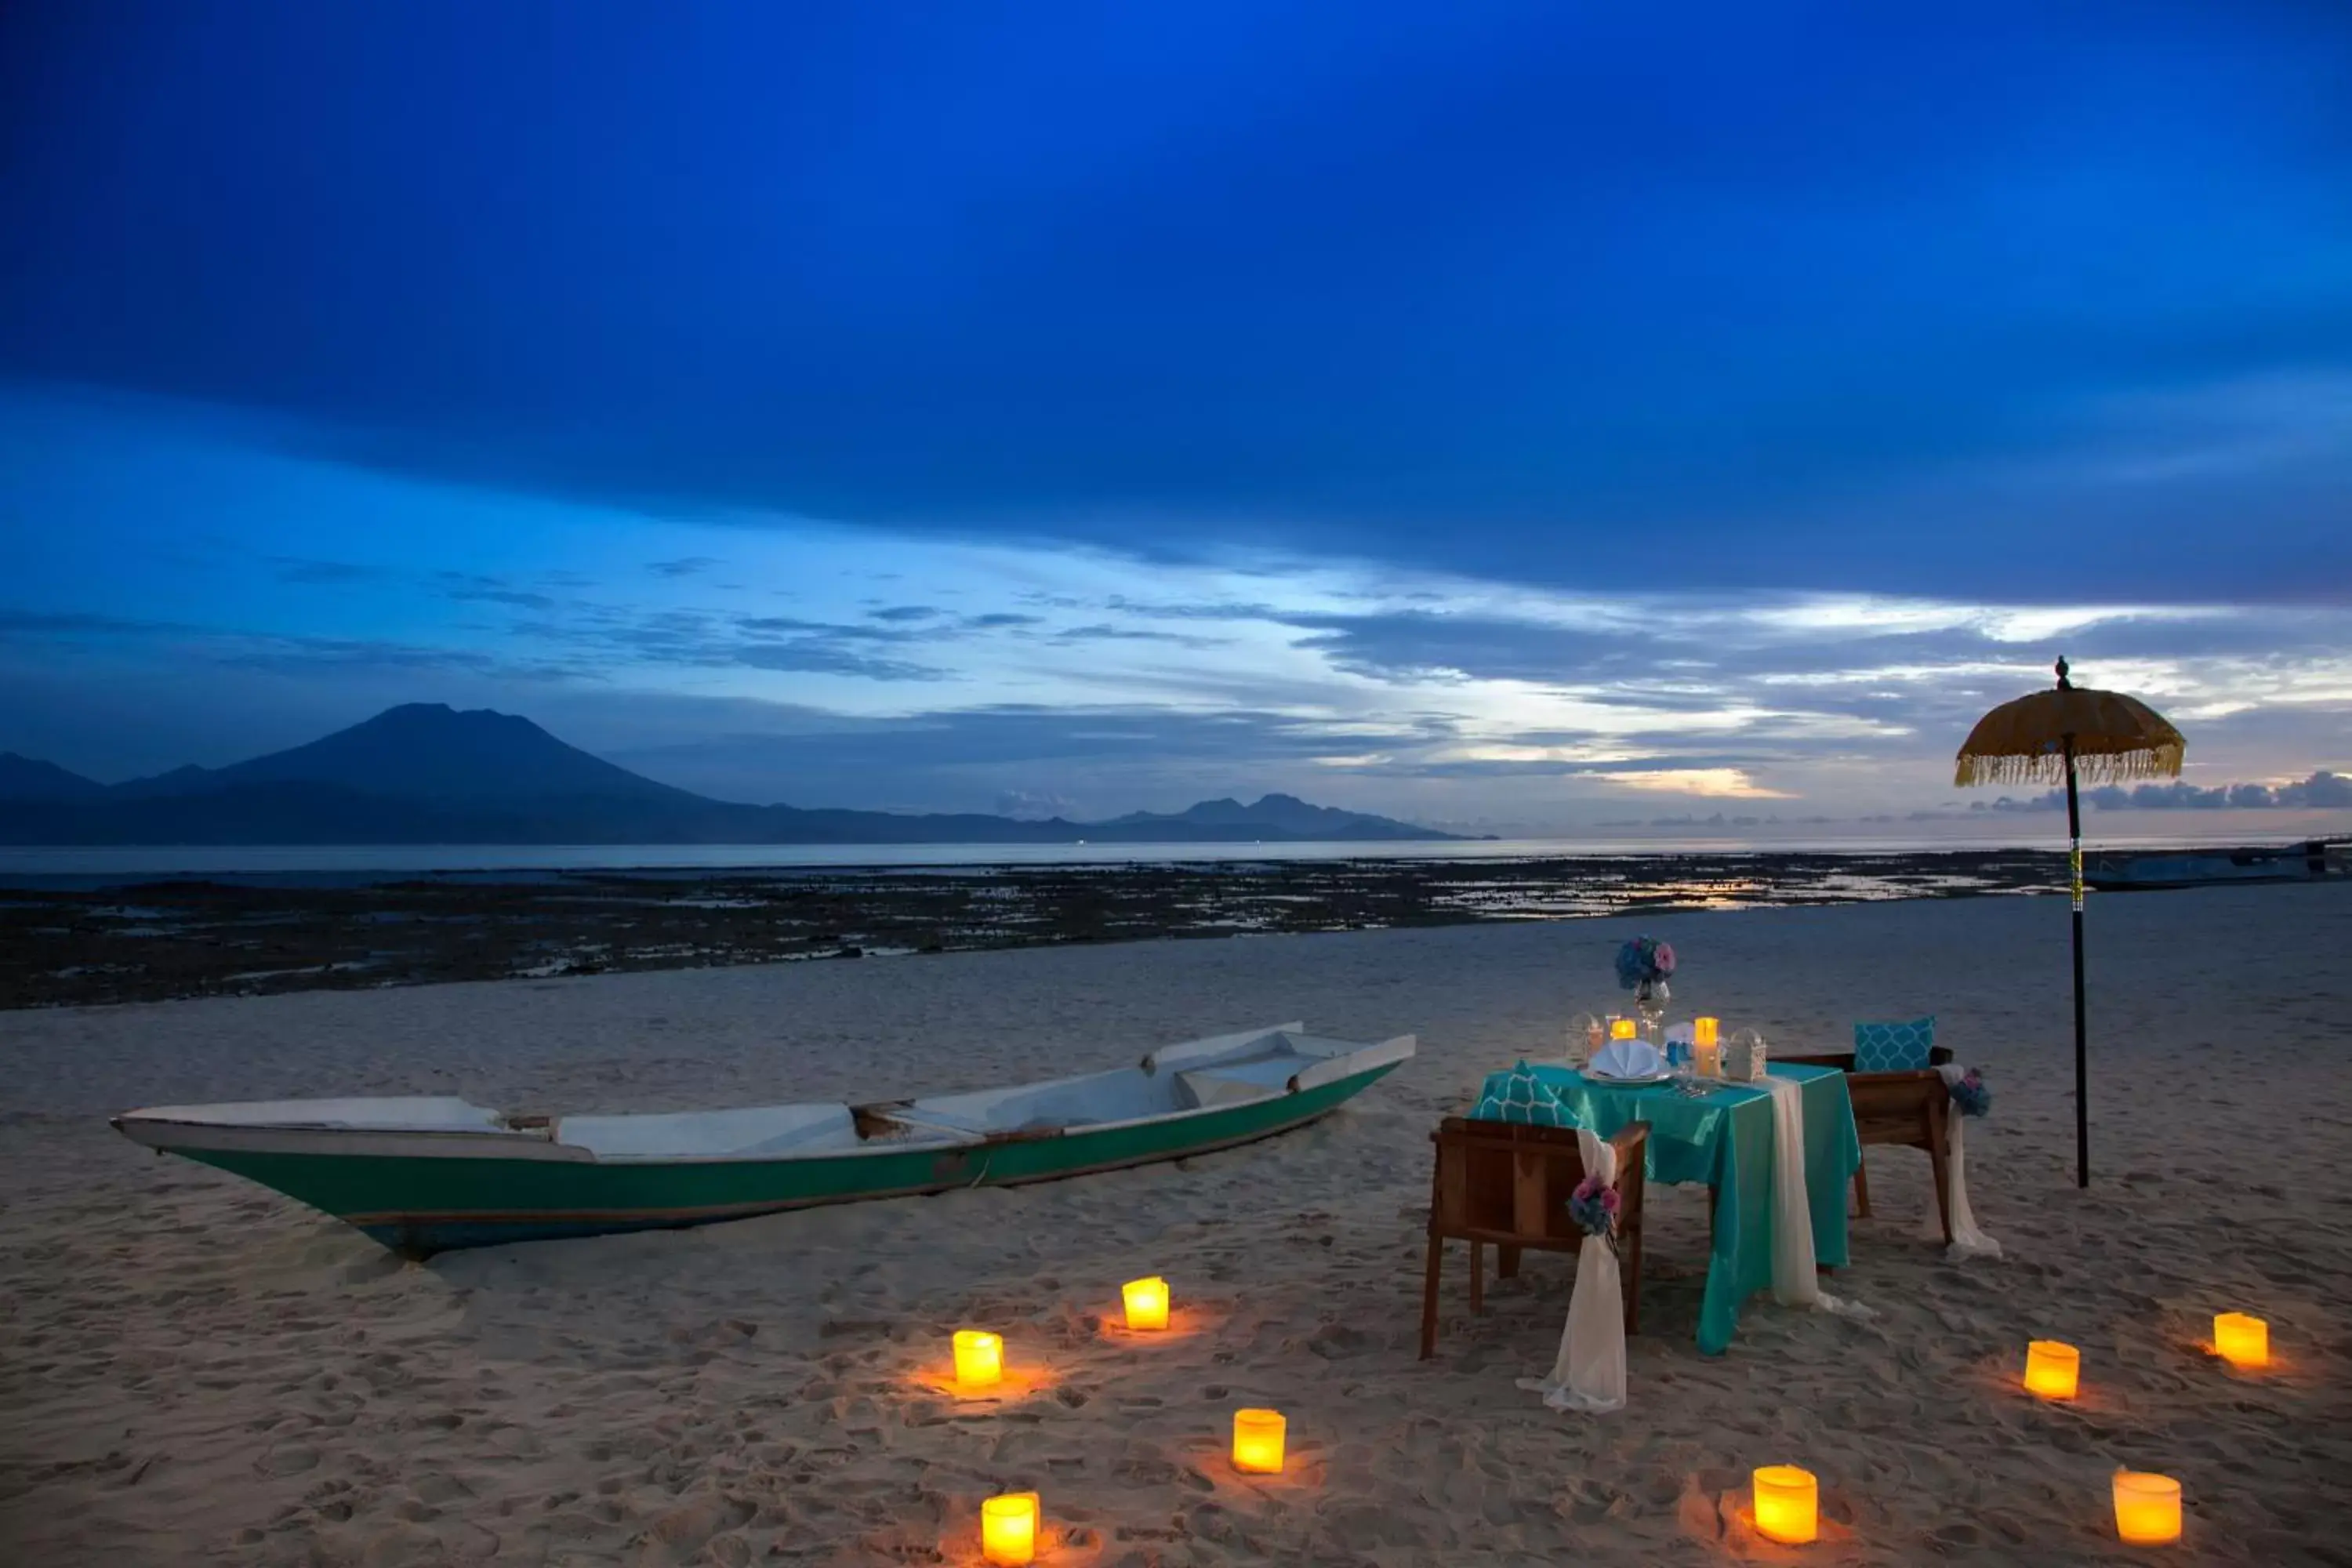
(1198, 1076)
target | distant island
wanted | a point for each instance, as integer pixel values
(426, 774)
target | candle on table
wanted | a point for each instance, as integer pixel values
(1008, 1529)
(1146, 1303)
(2052, 1370)
(1623, 1028)
(1788, 1504)
(979, 1358)
(1257, 1441)
(2243, 1341)
(2147, 1507)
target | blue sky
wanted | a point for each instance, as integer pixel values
(1517, 416)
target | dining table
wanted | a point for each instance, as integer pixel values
(1724, 1140)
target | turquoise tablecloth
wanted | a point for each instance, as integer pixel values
(1725, 1141)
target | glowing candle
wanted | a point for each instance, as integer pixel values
(2243, 1341)
(1146, 1303)
(2052, 1370)
(2147, 1507)
(1622, 1028)
(1703, 1031)
(1257, 1441)
(1008, 1529)
(978, 1359)
(1788, 1504)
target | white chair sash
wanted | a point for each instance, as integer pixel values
(1967, 1241)
(1795, 1282)
(1588, 1373)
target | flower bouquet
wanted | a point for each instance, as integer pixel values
(1643, 966)
(1593, 1207)
(1972, 1094)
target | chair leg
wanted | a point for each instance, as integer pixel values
(1507, 1262)
(1936, 1150)
(1862, 1188)
(1428, 1296)
(1477, 1277)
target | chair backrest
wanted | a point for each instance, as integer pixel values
(1881, 1097)
(1506, 1179)
(1844, 1061)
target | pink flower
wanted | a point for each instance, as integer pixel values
(1664, 958)
(1611, 1199)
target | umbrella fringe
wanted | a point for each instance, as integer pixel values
(2049, 767)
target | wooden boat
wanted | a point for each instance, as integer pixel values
(426, 1175)
(2318, 859)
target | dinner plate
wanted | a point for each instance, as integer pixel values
(1659, 1076)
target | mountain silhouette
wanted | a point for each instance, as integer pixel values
(428, 773)
(26, 778)
(429, 752)
(1282, 814)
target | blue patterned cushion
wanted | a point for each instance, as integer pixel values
(1519, 1096)
(1894, 1048)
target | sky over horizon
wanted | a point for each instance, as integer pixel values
(1528, 420)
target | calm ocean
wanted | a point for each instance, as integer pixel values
(133, 863)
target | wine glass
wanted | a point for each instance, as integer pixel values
(1587, 1032)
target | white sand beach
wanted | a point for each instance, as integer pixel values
(196, 1370)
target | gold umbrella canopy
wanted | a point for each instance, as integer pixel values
(2115, 738)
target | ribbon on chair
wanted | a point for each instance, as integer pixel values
(1588, 1373)
(1795, 1281)
(1967, 1241)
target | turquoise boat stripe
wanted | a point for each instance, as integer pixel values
(422, 1205)
(1725, 1141)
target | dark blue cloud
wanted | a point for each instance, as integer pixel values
(2323, 791)
(1814, 295)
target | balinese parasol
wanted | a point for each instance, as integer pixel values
(2103, 736)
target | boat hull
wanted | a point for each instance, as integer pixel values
(419, 1205)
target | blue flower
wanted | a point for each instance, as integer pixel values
(1640, 960)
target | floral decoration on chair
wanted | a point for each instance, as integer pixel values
(1971, 1093)
(1593, 1207)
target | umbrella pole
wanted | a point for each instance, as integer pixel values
(2082, 1063)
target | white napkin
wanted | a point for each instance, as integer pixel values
(1682, 1034)
(1794, 1282)
(1588, 1373)
(1967, 1241)
(1627, 1059)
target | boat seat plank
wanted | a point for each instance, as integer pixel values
(1240, 1082)
(764, 1130)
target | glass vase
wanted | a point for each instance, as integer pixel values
(1650, 1001)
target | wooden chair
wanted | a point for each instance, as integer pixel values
(1908, 1109)
(1509, 1183)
